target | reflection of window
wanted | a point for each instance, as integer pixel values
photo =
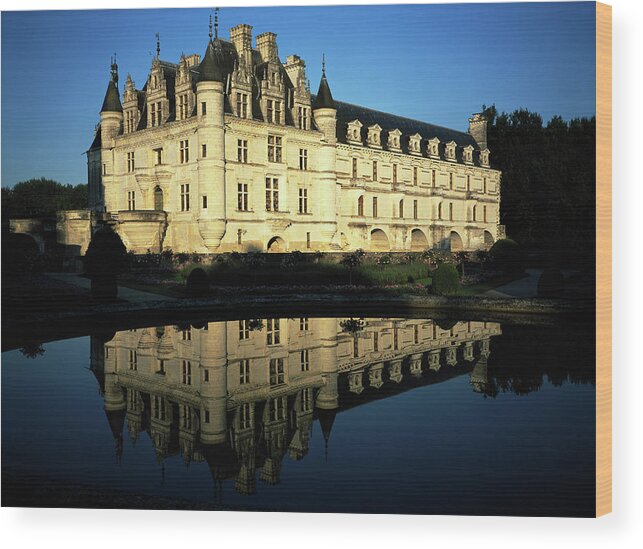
(304, 360)
(161, 367)
(276, 371)
(306, 400)
(186, 372)
(376, 341)
(303, 324)
(245, 419)
(133, 360)
(244, 330)
(244, 371)
(187, 417)
(272, 331)
(158, 408)
(277, 409)
(186, 335)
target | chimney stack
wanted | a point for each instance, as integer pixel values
(267, 46)
(241, 37)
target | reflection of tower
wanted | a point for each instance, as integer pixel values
(375, 375)
(479, 375)
(245, 482)
(434, 360)
(275, 433)
(134, 414)
(114, 402)
(298, 447)
(328, 396)
(395, 370)
(214, 383)
(326, 419)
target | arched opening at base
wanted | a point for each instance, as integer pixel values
(455, 242)
(276, 245)
(419, 241)
(379, 241)
(488, 239)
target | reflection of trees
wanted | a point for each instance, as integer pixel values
(32, 350)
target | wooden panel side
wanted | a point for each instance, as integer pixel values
(603, 259)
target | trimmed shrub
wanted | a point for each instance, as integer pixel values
(507, 256)
(197, 283)
(446, 280)
(105, 259)
(551, 283)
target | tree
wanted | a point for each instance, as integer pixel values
(352, 261)
(41, 197)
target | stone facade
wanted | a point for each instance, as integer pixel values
(232, 152)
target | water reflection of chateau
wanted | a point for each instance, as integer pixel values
(242, 394)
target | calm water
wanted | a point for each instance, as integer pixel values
(385, 415)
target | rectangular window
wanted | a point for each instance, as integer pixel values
(272, 331)
(185, 197)
(204, 150)
(415, 209)
(376, 341)
(204, 202)
(274, 148)
(484, 185)
(450, 211)
(245, 420)
(415, 175)
(242, 150)
(239, 237)
(396, 339)
(131, 200)
(304, 360)
(394, 173)
(303, 324)
(272, 194)
(242, 197)
(303, 201)
(206, 375)
(308, 241)
(277, 112)
(158, 157)
(204, 108)
(468, 182)
(375, 206)
(206, 416)
(244, 330)
(374, 170)
(130, 122)
(104, 169)
(451, 181)
(270, 111)
(433, 178)
(158, 408)
(360, 206)
(303, 159)
(401, 209)
(183, 106)
(276, 371)
(186, 372)
(244, 371)
(484, 214)
(184, 151)
(130, 162)
(242, 105)
(354, 168)
(303, 117)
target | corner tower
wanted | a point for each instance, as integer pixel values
(111, 121)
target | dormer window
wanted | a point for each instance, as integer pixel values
(414, 144)
(450, 151)
(394, 140)
(467, 154)
(242, 105)
(433, 148)
(354, 132)
(374, 136)
(484, 158)
(303, 117)
(183, 106)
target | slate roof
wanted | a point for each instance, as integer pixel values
(112, 101)
(324, 99)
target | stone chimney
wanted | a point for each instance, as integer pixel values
(241, 37)
(478, 129)
(267, 46)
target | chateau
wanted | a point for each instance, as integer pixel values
(231, 152)
(244, 394)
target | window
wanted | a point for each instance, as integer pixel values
(440, 210)
(206, 416)
(354, 168)
(273, 111)
(374, 170)
(308, 241)
(183, 106)
(242, 105)
(394, 173)
(130, 125)
(130, 161)
(244, 371)
(206, 375)
(131, 200)
(204, 108)
(415, 175)
(303, 159)
(277, 112)
(244, 330)
(186, 335)
(104, 169)
(204, 150)
(186, 372)
(303, 117)
(242, 150)
(303, 201)
(159, 408)
(156, 112)
(158, 157)
(245, 420)
(277, 409)
(239, 237)
(184, 151)
(161, 367)
(242, 197)
(303, 324)
(451, 181)
(484, 185)
(185, 197)
(304, 360)
(375, 206)
(433, 178)
(272, 331)
(484, 214)
(473, 211)
(468, 182)
(401, 208)
(204, 202)
(360, 206)
(274, 148)
(133, 360)
(272, 194)
(450, 211)
(416, 334)
(415, 209)
(276, 371)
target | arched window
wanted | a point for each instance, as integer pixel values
(401, 208)
(474, 212)
(158, 198)
(450, 211)
(360, 206)
(440, 210)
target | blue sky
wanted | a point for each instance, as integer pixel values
(438, 63)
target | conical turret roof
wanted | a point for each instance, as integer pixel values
(324, 99)
(112, 101)
(210, 69)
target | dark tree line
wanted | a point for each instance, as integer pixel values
(548, 179)
(41, 197)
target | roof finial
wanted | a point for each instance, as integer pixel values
(210, 33)
(114, 69)
(216, 22)
(158, 45)
(323, 64)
